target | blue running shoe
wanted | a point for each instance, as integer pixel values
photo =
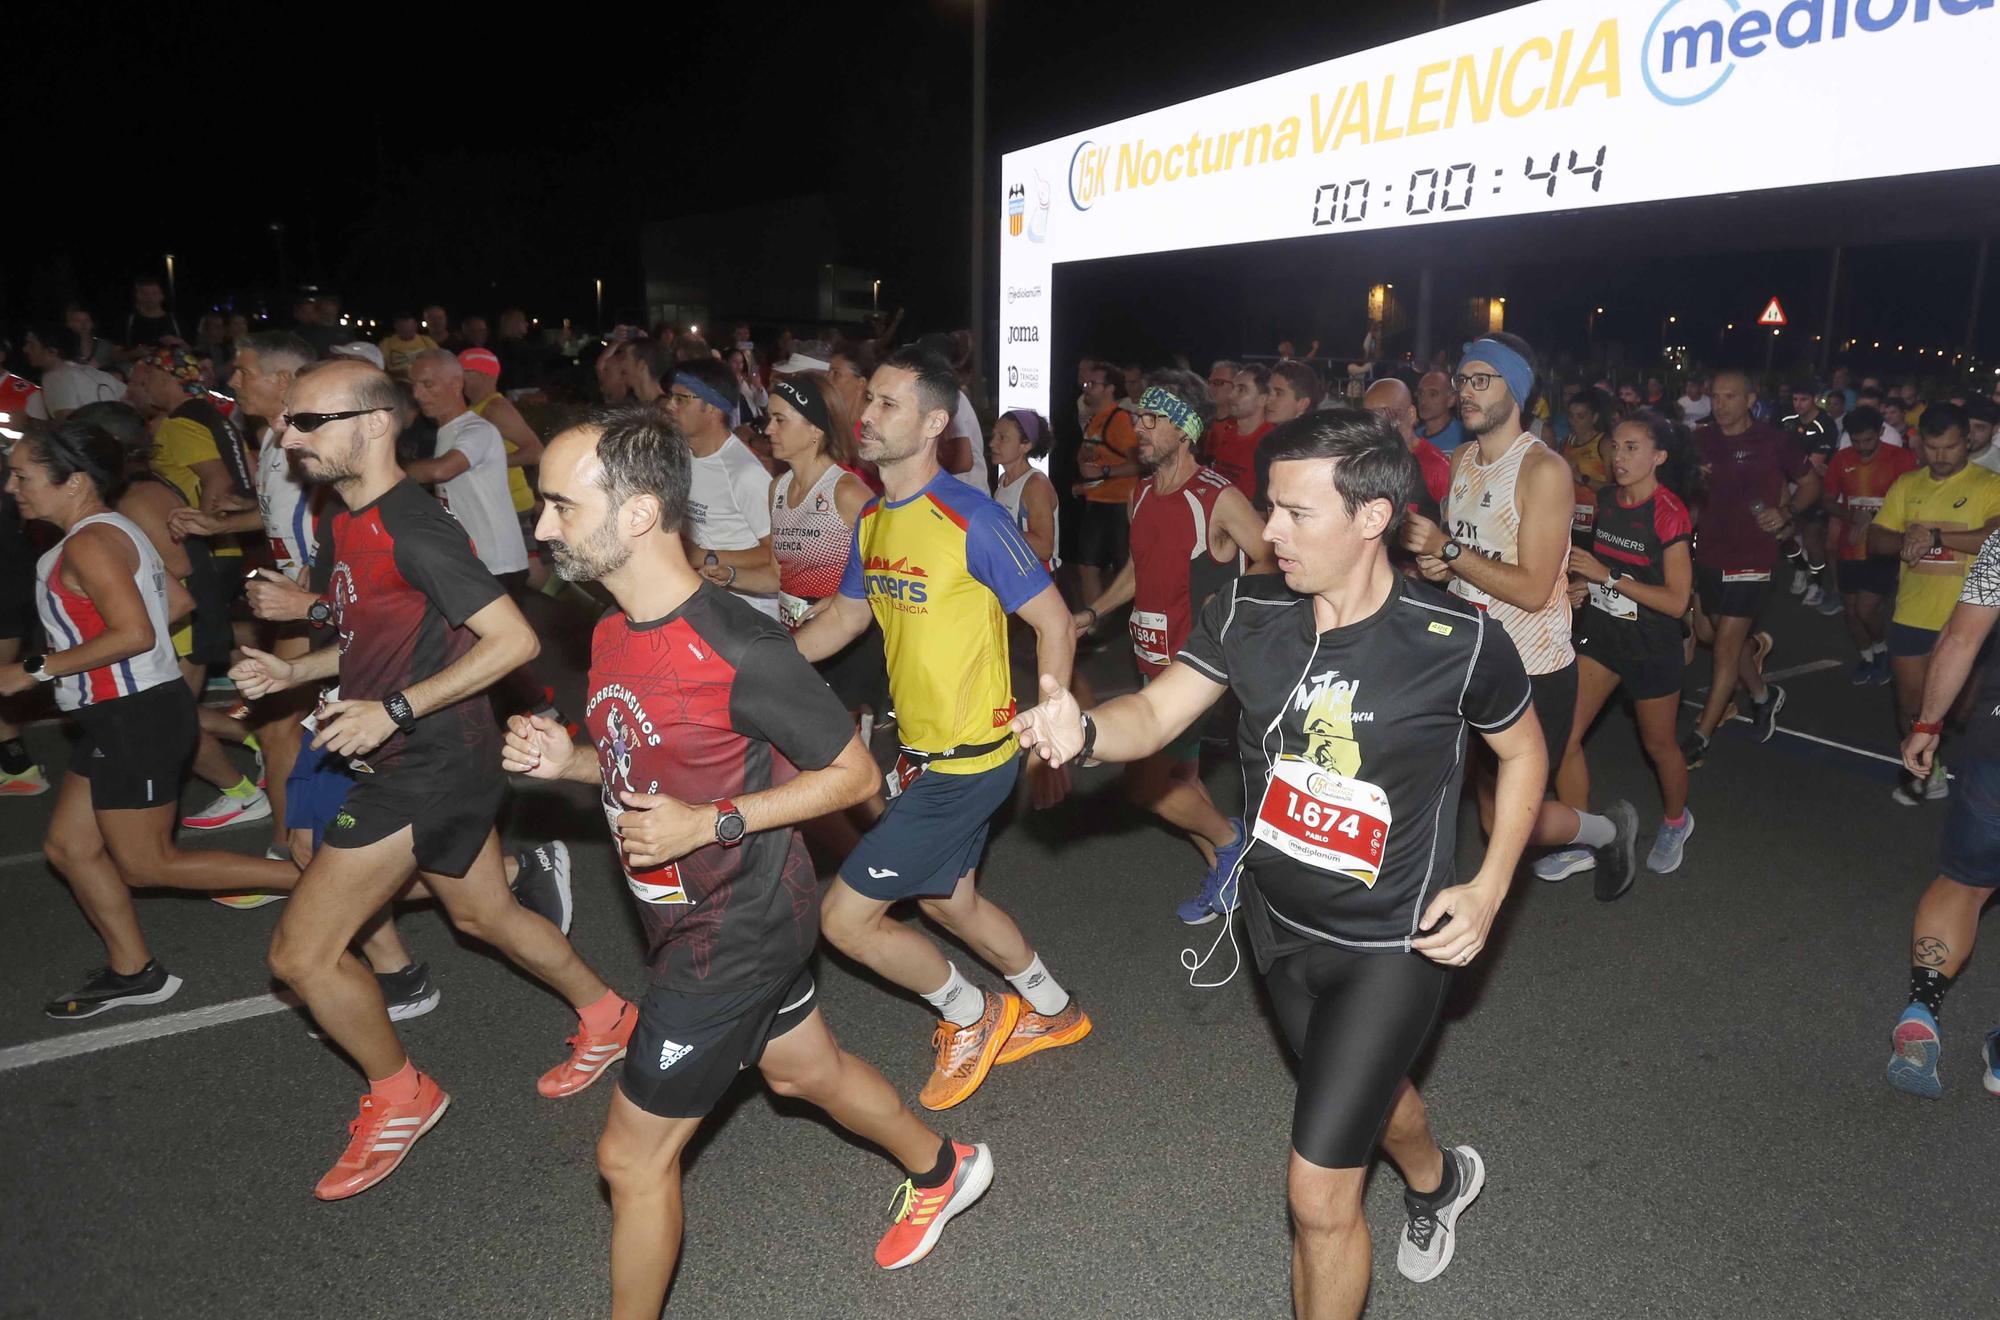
(1218, 888)
(1992, 1078)
(1913, 1061)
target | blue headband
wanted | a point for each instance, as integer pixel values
(702, 391)
(1513, 368)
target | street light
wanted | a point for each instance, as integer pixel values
(600, 302)
(172, 296)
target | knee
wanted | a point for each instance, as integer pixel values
(294, 960)
(65, 855)
(1320, 1209)
(627, 1170)
(844, 923)
(804, 1085)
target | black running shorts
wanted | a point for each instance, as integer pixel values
(449, 811)
(1648, 666)
(688, 1048)
(1357, 1021)
(1555, 710)
(1721, 598)
(135, 750)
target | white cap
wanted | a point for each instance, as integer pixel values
(360, 350)
(798, 362)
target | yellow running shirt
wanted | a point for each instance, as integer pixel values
(942, 570)
(1927, 589)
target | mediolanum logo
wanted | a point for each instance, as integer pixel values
(1694, 46)
(1024, 334)
(1017, 292)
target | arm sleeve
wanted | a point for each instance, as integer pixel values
(434, 556)
(1203, 650)
(1496, 686)
(1001, 558)
(781, 699)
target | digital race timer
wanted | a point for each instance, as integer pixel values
(1448, 188)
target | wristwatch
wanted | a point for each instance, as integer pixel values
(399, 710)
(320, 614)
(1452, 550)
(37, 668)
(729, 824)
(1937, 540)
(1089, 738)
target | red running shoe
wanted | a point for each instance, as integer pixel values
(589, 1057)
(922, 1212)
(379, 1137)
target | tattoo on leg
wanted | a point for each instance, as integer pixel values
(1931, 951)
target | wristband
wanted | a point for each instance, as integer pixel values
(1091, 610)
(1918, 726)
(1089, 738)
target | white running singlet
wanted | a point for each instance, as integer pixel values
(71, 618)
(286, 505)
(1481, 513)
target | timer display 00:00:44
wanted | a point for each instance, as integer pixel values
(1450, 189)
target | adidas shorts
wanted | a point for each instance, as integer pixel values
(688, 1048)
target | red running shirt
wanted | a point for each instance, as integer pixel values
(1169, 545)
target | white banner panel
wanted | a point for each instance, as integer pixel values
(1554, 106)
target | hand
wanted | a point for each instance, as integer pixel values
(1054, 729)
(1773, 520)
(15, 679)
(1587, 566)
(1090, 471)
(1578, 593)
(1471, 909)
(1080, 487)
(1082, 621)
(1048, 784)
(1918, 750)
(720, 574)
(1423, 536)
(184, 523)
(259, 674)
(354, 728)
(1916, 542)
(537, 747)
(654, 829)
(814, 610)
(1433, 568)
(274, 596)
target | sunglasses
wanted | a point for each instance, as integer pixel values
(312, 421)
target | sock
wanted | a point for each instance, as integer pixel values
(1593, 831)
(251, 744)
(599, 1018)
(14, 758)
(245, 788)
(958, 1000)
(399, 1089)
(1447, 1186)
(1677, 821)
(1040, 989)
(1879, 648)
(1927, 987)
(940, 1174)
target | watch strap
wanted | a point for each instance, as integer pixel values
(725, 810)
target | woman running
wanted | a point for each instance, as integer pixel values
(1637, 573)
(107, 602)
(1022, 490)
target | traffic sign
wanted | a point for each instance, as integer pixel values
(1773, 314)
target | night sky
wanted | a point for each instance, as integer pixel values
(416, 160)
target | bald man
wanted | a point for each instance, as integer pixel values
(1437, 411)
(1390, 400)
(470, 470)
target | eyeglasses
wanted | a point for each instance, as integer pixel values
(312, 421)
(1476, 381)
(1149, 420)
(681, 398)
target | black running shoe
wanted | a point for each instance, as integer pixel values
(1617, 861)
(151, 984)
(1694, 749)
(408, 993)
(542, 885)
(1764, 714)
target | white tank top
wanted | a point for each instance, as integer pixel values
(71, 618)
(1480, 513)
(1008, 493)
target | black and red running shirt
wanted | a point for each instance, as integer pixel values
(403, 582)
(1634, 542)
(714, 701)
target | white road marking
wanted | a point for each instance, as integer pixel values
(1810, 667)
(1812, 737)
(137, 1032)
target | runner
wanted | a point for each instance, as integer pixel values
(1192, 531)
(1639, 573)
(1857, 480)
(106, 604)
(1346, 669)
(1022, 489)
(1947, 920)
(729, 513)
(1817, 438)
(523, 447)
(1510, 509)
(1590, 423)
(939, 566)
(1936, 517)
(1108, 463)
(1232, 449)
(724, 887)
(423, 628)
(1748, 466)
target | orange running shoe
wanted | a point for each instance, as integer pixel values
(922, 1212)
(589, 1056)
(380, 1136)
(966, 1054)
(1035, 1033)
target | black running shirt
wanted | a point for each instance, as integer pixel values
(403, 582)
(714, 701)
(1633, 542)
(1353, 750)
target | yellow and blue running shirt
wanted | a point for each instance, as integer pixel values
(942, 570)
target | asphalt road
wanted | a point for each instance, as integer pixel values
(1679, 1096)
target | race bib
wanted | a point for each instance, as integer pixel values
(1944, 559)
(1149, 637)
(792, 608)
(1747, 575)
(662, 883)
(1325, 820)
(1582, 517)
(1615, 603)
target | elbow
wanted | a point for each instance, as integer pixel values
(526, 646)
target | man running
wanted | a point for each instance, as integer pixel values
(1192, 530)
(1510, 509)
(424, 628)
(705, 766)
(940, 566)
(1358, 687)
(1857, 481)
